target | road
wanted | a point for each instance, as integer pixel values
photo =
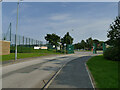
(30, 74)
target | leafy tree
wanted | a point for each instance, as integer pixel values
(89, 42)
(83, 44)
(53, 39)
(114, 33)
(96, 41)
(77, 46)
(62, 42)
(67, 39)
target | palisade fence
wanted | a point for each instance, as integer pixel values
(24, 44)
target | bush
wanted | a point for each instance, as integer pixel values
(112, 53)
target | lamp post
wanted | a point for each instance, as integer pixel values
(16, 30)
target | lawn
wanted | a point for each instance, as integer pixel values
(104, 72)
(36, 53)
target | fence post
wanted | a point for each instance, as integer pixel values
(15, 40)
(23, 40)
(19, 40)
(39, 43)
(36, 42)
(32, 42)
(26, 41)
(10, 31)
(29, 42)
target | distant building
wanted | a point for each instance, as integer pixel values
(36, 47)
(43, 47)
(119, 8)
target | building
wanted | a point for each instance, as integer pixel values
(4, 47)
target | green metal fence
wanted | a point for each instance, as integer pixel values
(24, 44)
(69, 49)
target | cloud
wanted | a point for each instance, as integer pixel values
(60, 17)
(83, 27)
(85, 24)
(22, 8)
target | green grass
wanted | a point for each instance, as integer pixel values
(105, 72)
(36, 53)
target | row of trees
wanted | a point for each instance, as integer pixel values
(54, 39)
(88, 44)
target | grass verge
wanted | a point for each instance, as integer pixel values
(104, 72)
(11, 56)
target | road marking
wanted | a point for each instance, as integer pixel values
(89, 76)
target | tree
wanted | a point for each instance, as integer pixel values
(114, 33)
(62, 42)
(83, 44)
(96, 41)
(77, 46)
(67, 39)
(89, 42)
(53, 39)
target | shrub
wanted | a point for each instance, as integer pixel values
(112, 53)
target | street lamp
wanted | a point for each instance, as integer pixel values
(16, 30)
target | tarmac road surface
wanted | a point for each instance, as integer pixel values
(73, 75)
(30, 74)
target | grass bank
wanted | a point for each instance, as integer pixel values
(36, 53)
(105, 72)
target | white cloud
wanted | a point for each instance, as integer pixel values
(83, 27)
(60, 17)
(37, 27)
(22, 8)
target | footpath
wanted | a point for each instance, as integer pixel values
(73, 75)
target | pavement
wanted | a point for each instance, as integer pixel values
(73, 75)
(36, 72)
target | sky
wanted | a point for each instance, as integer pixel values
(81, 19)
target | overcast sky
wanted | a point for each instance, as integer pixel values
(37, 19)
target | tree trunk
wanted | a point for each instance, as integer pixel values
(56, 48)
